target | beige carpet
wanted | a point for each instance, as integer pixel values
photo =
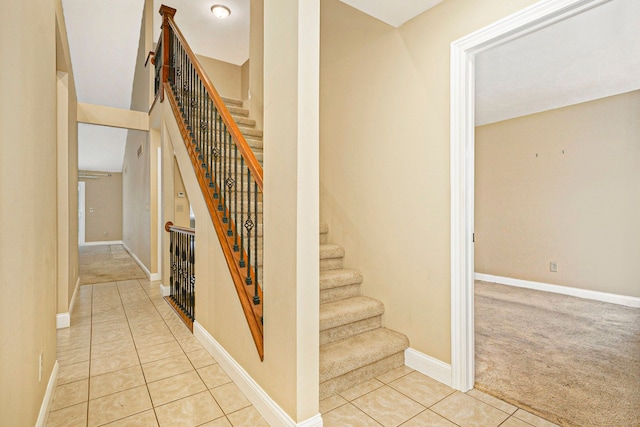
(107, 263)
(572, 361)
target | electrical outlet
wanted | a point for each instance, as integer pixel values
(553, 267)
(40, 358)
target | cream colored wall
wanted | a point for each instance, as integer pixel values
(67, 152)
(563, 186)
(226, 77)
(103, 195)
(244, 80)
(28, 181)
(181, 215)
(384, 156)
(256, 62)
(136, 196)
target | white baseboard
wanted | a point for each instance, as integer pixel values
(63, 320)
(427, 365)
(48, 397)
(564, 290)
(268, 408)
(105, 242)
(137, 260)
(165, 290)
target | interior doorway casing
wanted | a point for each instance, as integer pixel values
(463, 53)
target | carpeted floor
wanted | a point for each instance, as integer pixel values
(573, 361)
(107, 263)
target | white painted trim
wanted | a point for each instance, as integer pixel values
(268, 408)
(462, 150)
(63, 320)
(154, 277)
(165, 291)
(104, 242)
(137, 260)
(48, 397)
(625, 300)
(430, 366)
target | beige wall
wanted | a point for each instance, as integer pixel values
(244, 80)
(136, 206)
(28, 181)
(256, 63)
(103, 195)
(226, 77)
(67, 152)
(563, 186)
(181, 215)
(384, 156)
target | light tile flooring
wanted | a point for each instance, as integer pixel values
(128, 360)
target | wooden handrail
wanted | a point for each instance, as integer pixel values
(170, 227)
(249, 158)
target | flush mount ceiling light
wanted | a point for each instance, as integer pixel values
(220, 11)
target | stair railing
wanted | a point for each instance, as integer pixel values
(182, 289)
(228, 172)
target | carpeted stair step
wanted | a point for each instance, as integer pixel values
(324, 233)
(353, 360)
(348, 317)
(238, 111)
(231, 101)
(339, 284)
(331, 257)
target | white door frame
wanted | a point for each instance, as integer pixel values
(81, 213)
(463, 52)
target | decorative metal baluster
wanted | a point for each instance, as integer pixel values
(256, 298)
(241, 226)
(235, 210)
(249, 224)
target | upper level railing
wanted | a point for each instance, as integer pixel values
(228, 172)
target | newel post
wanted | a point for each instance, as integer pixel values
(167, 13)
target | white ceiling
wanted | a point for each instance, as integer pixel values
(101, 148)
(223, 39)
(592, 55)
(394, 13)
(589, 56)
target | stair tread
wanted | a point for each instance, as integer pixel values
(331, 251)
(338, 358)
(324, 228)
(349, 310)
(231, 101)
(341, 277)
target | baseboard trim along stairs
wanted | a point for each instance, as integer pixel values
(354, 346)
(268, 408)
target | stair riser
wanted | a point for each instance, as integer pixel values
(342, 292)
(323, 238)
(350, 379)
(348, 330)
(331, 263)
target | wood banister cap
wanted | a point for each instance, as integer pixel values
(166, 10)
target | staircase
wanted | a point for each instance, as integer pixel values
(354, 347)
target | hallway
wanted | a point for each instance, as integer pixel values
(128, 360)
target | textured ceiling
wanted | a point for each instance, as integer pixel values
(589, 56)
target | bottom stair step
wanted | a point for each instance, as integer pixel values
(353, 360)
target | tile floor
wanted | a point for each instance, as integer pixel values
(128, 360)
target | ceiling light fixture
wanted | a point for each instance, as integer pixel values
(220, 11)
